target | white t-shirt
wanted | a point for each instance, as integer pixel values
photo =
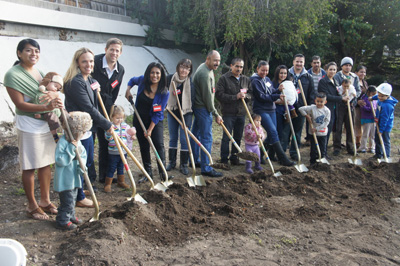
(352, 92)
(30, 124)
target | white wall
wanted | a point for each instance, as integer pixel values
(57, 55)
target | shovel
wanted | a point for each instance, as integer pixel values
(321, 160)
(299, 166)
(83, 167)
(276, 174)
(215, 165)
(385, 158)
(250, 156)
(134, 196)
(355, 160)
(194, 180)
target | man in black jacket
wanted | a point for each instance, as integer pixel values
(299, 73)
(109, 73)
(232, 87)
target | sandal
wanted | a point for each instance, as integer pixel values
(50, 209)
(38, 214)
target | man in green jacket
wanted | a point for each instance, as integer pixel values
(232, 87)
(204, 109)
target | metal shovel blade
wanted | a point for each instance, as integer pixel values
(190, 182)
(355, 161)
(277, 174)
(138, 198)
(93, 219)
(387, 160)
(323, 160)
(160, 187)
(301, 168)
(199, 181)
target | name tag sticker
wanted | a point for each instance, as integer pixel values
(213, 90)
(243, 90)
(114, 84)
(178, 92)
(268, 84)
(157, 108)
(298, 91)
(95, 85)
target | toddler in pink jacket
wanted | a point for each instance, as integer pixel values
(251, 141)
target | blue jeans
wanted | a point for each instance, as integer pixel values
(298, 124)
(268, 121)
(386, 143)
(202, 129)
(115, 162)
(235, 124)
(66, 209)
(175, 131)
(89, 147)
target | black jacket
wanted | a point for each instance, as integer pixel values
(80, 97)
(333, 98)
(109, 87)
(308, 87)
(227, 88)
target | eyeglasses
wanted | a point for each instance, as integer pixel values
(184, 67)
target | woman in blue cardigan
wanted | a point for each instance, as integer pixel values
(152, 98)
(264, 104)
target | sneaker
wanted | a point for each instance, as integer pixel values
(69, 226)
(76, 221)
(372, 151)
(363, 151)
(143, 179)
(212, 173)
(336, 152)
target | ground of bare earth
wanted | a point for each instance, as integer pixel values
(338, 214)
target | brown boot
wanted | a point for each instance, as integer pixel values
(121, 182)
(107, 184)
(293, 113)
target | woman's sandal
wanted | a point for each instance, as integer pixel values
(50, 209)
(38, 214)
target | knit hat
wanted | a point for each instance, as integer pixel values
(50, 77)
(346, 60)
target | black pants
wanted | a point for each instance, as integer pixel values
(313, 149)
(157, 137)
(103, 154)
(235, 124)
(343, 118)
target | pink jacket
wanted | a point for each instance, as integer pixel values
(250, 136)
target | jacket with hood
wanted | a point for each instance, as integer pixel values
(264, 94)
(385, 113)
(307, 83)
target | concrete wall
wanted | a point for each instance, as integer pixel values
(57, 55)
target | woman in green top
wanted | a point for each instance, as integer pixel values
(35, 142)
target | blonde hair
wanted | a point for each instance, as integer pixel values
(116, 109)
(73, 69)
(79, 123)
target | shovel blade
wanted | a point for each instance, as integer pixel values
(277, 174)
(137, 198)
(95, 218)
(387, 160)
(167, 183)
(323, 160)
(301, 168)
(355, 161)
(199, 181)
(190, 182)
(160, 187)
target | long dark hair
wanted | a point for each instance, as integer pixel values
(277, 70)
(21, 46)
(163, 80)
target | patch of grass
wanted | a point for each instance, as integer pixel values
(19, 192)
(257, 239)
(289, 241)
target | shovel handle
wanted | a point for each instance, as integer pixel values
(258, 136)
(193, 137)
(160, 163)
(379, 133)
(117, 143)
(83, 167)
(292, 129)
(353, 138)
(186, 131)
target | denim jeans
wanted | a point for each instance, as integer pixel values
(103, 153)
(386, 143)
(66, 209)
(176, 131)
(268, 121)
(89, 147)
(235, 124)
(202, 129)
(313, 148)
(298, 124)
(115, 163)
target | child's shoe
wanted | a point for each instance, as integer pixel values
(69, 226)
(76, 221)
(107, 184)
(121, 182)
(372, 151)
(363, 151)
(258, 167)
(248, 168)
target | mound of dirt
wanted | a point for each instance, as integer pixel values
(228, 206)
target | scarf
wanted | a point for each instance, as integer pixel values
(186, 94)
